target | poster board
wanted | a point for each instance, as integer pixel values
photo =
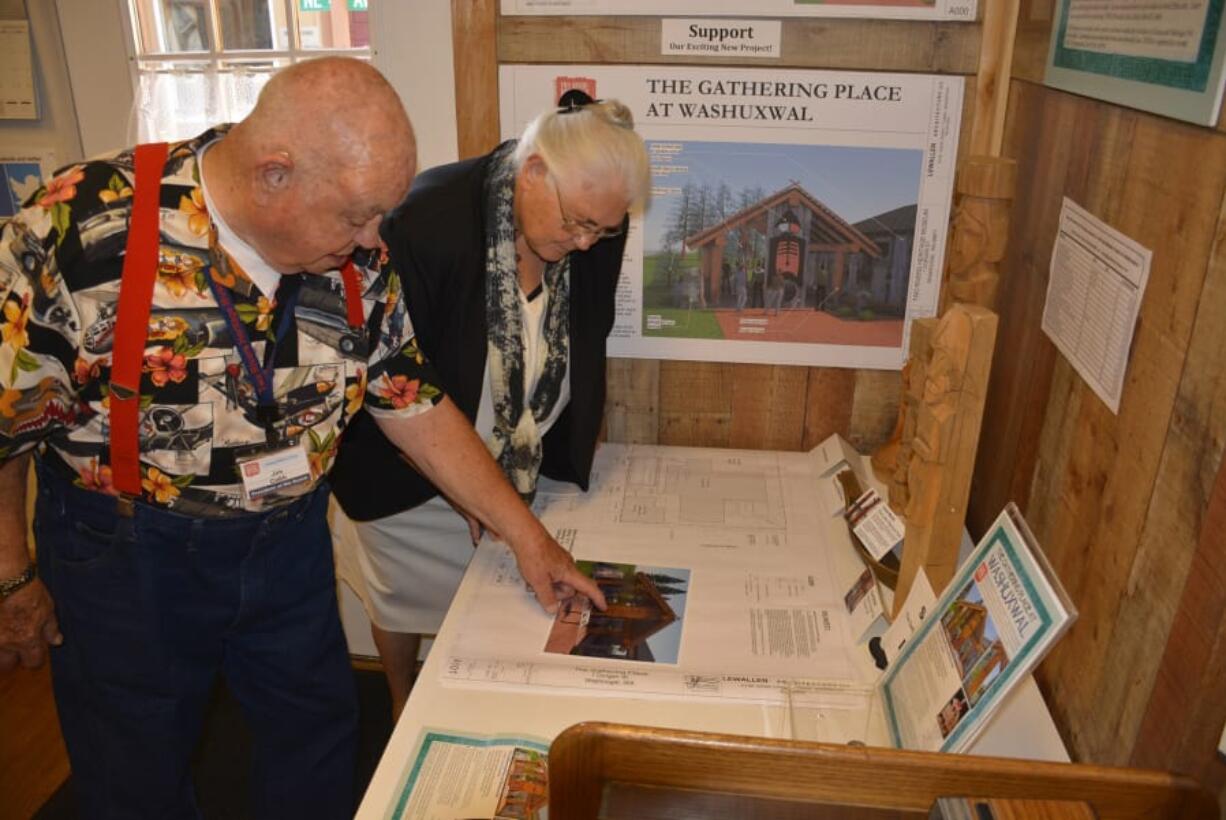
(1166, 58)
(963, 10)
(797, 217)
(21, 174)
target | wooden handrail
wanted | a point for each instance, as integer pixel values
(588, 756)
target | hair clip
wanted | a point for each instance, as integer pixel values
(574, 100)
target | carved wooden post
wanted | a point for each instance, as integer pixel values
(912, 393)
(980, 231)
(948, 385)
(979, 235)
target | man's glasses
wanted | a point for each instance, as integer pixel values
(582, 227)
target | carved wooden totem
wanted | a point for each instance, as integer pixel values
(979, 234)
(951, 360)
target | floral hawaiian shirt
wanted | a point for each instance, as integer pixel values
(60, 264)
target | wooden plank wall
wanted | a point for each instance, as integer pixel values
(1129, 507)
(714, 404)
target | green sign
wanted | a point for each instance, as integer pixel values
(314, 5)
(359, 5)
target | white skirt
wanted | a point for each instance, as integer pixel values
(405, 568)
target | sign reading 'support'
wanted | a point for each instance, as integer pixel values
(720, 38)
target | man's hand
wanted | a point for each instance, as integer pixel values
(552, 575)
(27, 625)
(27, 617)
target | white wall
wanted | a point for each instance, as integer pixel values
(55, 130)
(412, 44)
(99, 70)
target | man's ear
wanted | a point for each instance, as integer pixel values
(273, 174)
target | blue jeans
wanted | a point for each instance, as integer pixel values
(152, 608)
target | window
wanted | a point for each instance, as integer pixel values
(201, 62)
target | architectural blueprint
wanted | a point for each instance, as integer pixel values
(724, 580)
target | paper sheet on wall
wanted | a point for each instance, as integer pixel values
(1165, 57)
(17, 100)
(1097, 280)
(796, 217)
(890, 9)
(20, 176)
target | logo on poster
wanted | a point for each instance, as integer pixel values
(563, 84)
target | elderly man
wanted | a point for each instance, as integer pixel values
(187, 388)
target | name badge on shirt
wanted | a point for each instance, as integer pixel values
(282, 471)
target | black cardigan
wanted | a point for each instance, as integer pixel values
(437, 242)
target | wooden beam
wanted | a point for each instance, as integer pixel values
(947, 415)
(632, 412)
(765, 412)
(828, 399)
(696, 403)
(874, 407)
(473, 25)
(992, 79)
(871, 45)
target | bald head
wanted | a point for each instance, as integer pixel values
(332, 109)
(326, 133)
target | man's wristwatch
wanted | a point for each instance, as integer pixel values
(10, 585)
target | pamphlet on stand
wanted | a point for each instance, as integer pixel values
(991, 626)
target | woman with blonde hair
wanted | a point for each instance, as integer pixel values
(509, 264)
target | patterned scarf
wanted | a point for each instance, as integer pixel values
(516, 440)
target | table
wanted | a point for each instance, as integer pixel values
(1022, 728)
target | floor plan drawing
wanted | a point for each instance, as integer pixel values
(702, 491)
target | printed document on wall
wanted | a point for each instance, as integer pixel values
(1164, 56)
(17, 99)
(1094, 293)
(963, 10)
(796, 217)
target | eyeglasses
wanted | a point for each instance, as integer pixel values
(582, 227)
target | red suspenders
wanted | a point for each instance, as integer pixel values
(140, 264)
(355, 315)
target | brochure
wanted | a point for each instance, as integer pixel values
(991, 626)
(458, 774)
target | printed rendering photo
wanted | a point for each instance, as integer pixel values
(779, 243)
(973, 638)
(643, 621)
